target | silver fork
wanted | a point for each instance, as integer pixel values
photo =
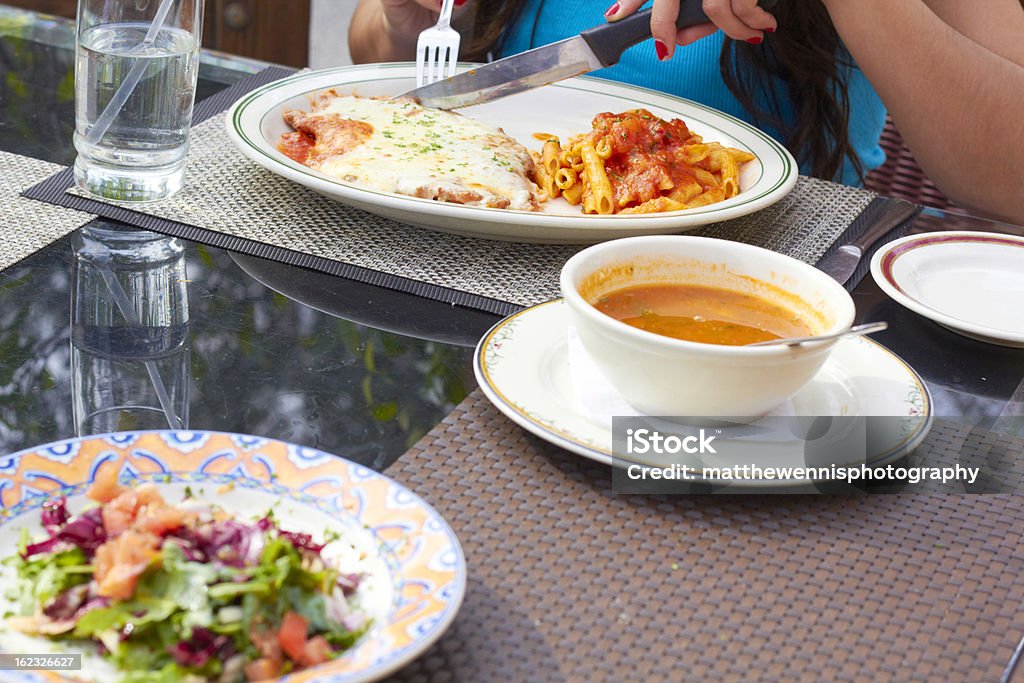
(437, 50)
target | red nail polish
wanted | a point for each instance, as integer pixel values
(769, 30)
(661, 49)
(611, 11)
(460, 3)
(756, 40)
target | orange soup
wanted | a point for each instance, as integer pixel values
(709, 315)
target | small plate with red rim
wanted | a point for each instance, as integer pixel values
(969, 282)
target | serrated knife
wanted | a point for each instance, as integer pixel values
(841, 264)
(595, 48)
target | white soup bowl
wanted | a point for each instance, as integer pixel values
(663, 376)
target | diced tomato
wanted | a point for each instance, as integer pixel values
(120, 561)
(105, 486)
(316, 651)
(292, 635)
(262, 669)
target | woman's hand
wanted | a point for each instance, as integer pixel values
(386, 30)
(405, 19)
(740, 19)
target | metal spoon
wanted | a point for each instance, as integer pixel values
(866, 328)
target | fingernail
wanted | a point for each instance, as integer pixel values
(770, 29)
(756, 40)
(458, 3)
(661, 49)
(611, 11)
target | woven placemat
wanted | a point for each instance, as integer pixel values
(232, 203)
(27, 226)
(569, 581)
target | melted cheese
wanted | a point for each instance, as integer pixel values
(422, 152)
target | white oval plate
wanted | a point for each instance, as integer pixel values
(523, 367)
(970, 282)
(255, 125)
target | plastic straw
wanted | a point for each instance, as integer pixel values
(124, 304)
(117, 102)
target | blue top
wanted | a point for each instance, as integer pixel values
(692, 73)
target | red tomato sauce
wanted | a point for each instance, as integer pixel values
(296, 146)
(645, 156)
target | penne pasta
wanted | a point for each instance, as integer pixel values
(546, 182)
(740, 156)
(694, 154)
(636, 163)
(566, 178)
(706, 179)
(711, 196)
(657, 205)
(574, 194)
(728, 171)
(600, 193)
(685, 190)
(550, 156)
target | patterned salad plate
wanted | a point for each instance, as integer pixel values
(968, 282)
(534, 371)
(417, 575)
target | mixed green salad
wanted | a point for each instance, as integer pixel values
(184, 592)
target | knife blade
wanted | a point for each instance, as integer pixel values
(592, 49)
(841, 264)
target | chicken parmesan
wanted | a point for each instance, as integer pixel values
(402, 147)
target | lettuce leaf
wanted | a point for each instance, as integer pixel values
(44, 577)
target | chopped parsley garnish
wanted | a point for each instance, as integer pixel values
(501, 162)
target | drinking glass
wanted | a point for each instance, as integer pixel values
(129, 331)
(136, 65)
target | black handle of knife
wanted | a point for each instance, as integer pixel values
(608, 41)
(893, 216)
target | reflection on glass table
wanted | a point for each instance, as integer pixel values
(368, 305)
(250, 360)
(257, 362)
(129, 331)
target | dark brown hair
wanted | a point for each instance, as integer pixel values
(805, 56)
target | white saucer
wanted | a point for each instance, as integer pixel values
(523, 366)
(969, 282)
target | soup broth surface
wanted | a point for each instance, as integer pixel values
(709, 315)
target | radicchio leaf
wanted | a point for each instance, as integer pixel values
(85, 531)
(226, 541)
(299, 540)
(203, 645)
(55, 514)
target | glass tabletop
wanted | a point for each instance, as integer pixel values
(249, 358)
(274, 350)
